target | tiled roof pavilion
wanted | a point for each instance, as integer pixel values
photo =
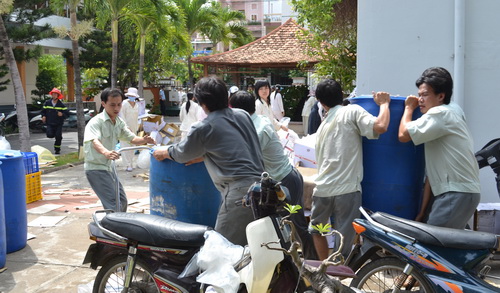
(281, 48)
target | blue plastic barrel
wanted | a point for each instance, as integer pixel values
(14, 187)
(393, 171)
(3, 236)
(184, 193)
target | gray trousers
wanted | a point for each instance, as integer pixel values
(452, 209)
(295, 184)
(232, 220)
(104, 185)
(341, 210)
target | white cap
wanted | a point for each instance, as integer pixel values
(233, 89)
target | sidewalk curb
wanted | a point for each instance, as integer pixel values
(58, 168)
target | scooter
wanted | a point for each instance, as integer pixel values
(71, 121)
(2, 124)
(392, 254)
(489, 155)
(34, 118)
(399, 255)
(148, 253)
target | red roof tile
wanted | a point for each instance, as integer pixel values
(279, 48)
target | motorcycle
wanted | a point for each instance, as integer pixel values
(2, 124)
(393, 254)
(71, 121)
(148, 253)
(409, 256)
(34, 118)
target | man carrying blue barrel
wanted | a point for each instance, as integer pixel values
(451, 166)
(228, 144)
(337, 195)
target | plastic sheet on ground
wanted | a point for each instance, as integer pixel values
(4, 143)
(44, 155)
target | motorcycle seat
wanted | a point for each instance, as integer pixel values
(438, 236)
(155, 230)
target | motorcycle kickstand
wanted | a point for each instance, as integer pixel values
(402, 278)
(129, 268)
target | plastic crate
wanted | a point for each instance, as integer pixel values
(33, 187)
(30, 162)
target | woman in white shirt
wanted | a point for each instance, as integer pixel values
(189, 114)
(263, 104)
(130, 113)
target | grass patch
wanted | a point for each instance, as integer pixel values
(70, 158)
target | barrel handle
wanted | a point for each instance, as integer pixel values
(113, 165)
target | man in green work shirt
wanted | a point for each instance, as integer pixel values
(101, 135)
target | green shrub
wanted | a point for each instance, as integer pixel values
(294, 98)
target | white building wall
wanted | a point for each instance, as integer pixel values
(7, 96)
(287, 11)
(399, 39)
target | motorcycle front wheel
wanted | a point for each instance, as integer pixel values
(111, 277)
(381, 275)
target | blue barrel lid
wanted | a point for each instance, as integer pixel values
(10, 154)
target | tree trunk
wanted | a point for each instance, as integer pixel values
(142, 49)
(114, 53)
(190, 72)
(22, 111)
(78, 84)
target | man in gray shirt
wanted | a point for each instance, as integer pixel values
(228, 144)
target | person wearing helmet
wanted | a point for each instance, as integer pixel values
(53, 114)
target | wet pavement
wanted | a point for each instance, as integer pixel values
(52, 260)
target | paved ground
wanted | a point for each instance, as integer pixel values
(52, 261)
(69, 142)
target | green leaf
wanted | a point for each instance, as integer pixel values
(322, 228)
(292, 209)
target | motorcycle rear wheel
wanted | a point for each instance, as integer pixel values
(381, 274)
(111, 277)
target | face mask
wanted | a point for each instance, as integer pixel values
(132, 99)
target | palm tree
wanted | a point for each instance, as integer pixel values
(230, 28)
(164, 20)
(22, 110)
(111, 11)
(76, 31)
(213, 21)
(199, 18)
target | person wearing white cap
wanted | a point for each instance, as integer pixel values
(130, 113)
(233, 90)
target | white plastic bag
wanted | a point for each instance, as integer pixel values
(4, 143)
(285, 121)
(44, 155)
(144, 159)
(218, 269)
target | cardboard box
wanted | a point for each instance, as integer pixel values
(488, 221)
(153, 118)
(305, 155)
(151, 122)
(170, 129)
